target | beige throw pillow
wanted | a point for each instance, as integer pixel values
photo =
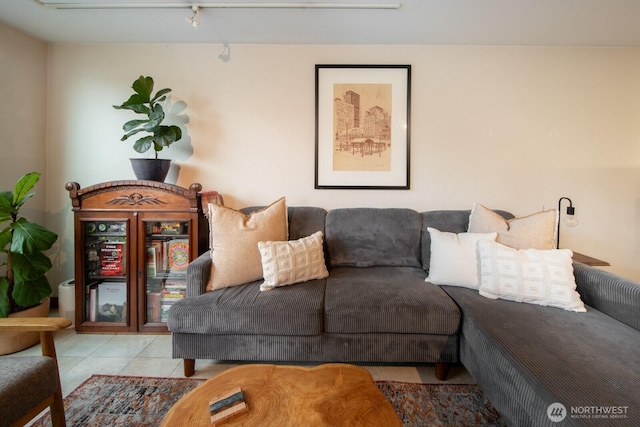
(294, 261)
(543, 277)
(234, 239)
(535, 231)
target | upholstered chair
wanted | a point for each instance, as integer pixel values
(29, 384)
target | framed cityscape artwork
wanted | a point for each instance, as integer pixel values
(362, 126)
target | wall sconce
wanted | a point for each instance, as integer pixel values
(194, 20)
(225, 56)
(570, 219)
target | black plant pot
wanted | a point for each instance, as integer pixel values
(151, 169)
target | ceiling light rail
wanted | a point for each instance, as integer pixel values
(85, 5)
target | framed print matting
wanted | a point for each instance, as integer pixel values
(362, 126)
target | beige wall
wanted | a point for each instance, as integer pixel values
(23, 83)
(513, 128)
(23, 107)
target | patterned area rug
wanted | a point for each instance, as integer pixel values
(105, 400)
(440, 404)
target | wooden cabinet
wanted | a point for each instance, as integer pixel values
(133, 242)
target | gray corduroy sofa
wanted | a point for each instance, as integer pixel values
(376, 307)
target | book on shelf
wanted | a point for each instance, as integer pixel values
(172, 294)
(164, 312)
(178, 255)
(165, 255)
(112, 259)
(173, 227)
(167, 299)
(93, 295)
(111, 302)
(91, 291)
(175, 283)
(152, 262)
(158, 248)
(165, 306)
(153, 307)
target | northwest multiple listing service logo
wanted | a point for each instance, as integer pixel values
(557, 412)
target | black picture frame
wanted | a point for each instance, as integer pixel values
(362, 126)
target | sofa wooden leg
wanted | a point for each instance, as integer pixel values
(189, 367)
(442, 369)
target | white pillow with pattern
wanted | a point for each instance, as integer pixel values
(542, 277)
(294, 261)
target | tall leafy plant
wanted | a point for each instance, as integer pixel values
(143, 102)
(24, 284)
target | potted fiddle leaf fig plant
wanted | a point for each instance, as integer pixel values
(24, 288)
(158, 135)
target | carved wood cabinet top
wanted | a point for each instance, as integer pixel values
(134, 195)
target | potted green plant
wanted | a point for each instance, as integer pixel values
(24, 288)
(158, 135)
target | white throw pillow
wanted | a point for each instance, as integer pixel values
(543, 277)
(535, 231)
(234, 239)
(453, 258)
(294, 261)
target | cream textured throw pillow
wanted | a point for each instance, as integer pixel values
(536, 231)
(234, 239)
(543, 277)
(294, 261)
(453, 258)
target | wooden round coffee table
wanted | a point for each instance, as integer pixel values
(326, 395)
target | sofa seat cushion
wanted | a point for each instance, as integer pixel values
(289, 310)
(548, 355)
(387, 300)
(370, 237)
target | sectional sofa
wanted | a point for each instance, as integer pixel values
(375, 304)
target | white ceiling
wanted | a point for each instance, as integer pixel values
(466, 22)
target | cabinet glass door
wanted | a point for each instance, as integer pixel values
(105, 264)
(167, 248)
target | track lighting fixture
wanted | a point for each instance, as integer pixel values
(194, 20)
(231, 5)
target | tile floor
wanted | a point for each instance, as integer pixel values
(82, 355)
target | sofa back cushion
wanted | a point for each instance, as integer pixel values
(452, 221)
(303, 220)
(373, 237)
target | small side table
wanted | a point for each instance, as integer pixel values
(585, 259)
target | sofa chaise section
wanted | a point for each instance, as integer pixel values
(527, 357)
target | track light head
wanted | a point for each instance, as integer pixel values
(194, 20)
